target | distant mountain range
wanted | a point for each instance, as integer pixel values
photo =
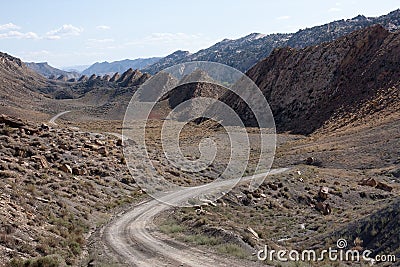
(76, 68)
(345, 93)
(25, 93)
(48, 71)
(241, 53)
(99, 69)
(244, 52)
(119, 66)
(304, 86)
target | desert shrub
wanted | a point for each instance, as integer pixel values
(47, 261)
(170, 227)
(232, 249)
(203, 240)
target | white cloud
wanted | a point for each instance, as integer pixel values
(334, 9)
(99, 43)
(19, 35)
(103, 27)
(10, 32)
(166, 37)
(58, 59)
(169, 41)
(65, 31)
(283, 18)
(30, 54)
(108, 40)
(53, 37)
(9, 26)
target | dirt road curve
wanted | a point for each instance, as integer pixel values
(53, 119)
(131, 239)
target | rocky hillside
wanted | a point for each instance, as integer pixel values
(48, 71)
(20, 87)
(170, 60)
(57, 186)
(127, 79)
(306, 87)
(101, 97)
(119, 66)
(379, 231)
(26, 94)
(244, 52)
(186, 90)
(13, 69)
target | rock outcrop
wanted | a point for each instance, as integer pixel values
(115, 77)
(306, 87)
(83, 78)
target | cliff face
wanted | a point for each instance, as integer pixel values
(306, 87)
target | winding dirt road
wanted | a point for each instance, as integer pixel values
(132, 239)
(53, 119)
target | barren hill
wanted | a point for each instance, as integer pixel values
(306, 87)
(19, 86)
(25, 93)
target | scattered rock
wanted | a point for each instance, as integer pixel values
(208, 202)
(91, 146)
(246, 201)
(251, 231)
(325, 209)
(78, 171)
(99, 142)
(64, 146)
(44, 127)
(42, 160)
(43, 199)
(323, 193)
(91, 263)
(369, 182)
(313, 161)
(66, 168)
(119, 142)
(15, 123)
(200, 211)
(103, 151)
(384, 187)
(363, 194)
(379, 185)
(272, 186)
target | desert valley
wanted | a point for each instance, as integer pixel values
(71, 196)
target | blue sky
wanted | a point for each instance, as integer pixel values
(66, 33)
